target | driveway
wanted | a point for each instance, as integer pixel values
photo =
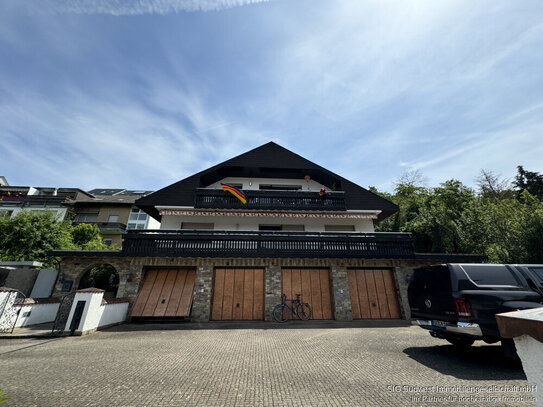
(306, 365)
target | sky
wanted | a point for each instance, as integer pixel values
(140, 94)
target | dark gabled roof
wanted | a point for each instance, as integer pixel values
(267, 161)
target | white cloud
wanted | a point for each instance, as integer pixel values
(128, 7)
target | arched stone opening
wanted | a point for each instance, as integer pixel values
(103, 276)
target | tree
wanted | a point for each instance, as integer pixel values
(492, 186)
(30, 236)
(529, 181)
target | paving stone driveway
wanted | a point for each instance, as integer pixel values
(317, 366)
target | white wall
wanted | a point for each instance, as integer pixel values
(96, 315)
(39, 314)
(233, 223)
(530, 351)
(152, 223)
(113, 314)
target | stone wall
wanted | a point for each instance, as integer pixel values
(131, 271)
(273, 290)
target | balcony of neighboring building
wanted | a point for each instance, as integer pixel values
(112, 225)
(283, 200)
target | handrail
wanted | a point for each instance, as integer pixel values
(260, 199)
(182, 243)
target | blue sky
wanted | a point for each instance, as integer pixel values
(140, 94)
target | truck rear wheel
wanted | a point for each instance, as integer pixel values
(460, 342)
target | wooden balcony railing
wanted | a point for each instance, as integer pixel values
(174, 243)
(269, 200)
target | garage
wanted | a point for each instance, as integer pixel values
(314, 286)
(238, 294)
(373, 294)
(165, 292)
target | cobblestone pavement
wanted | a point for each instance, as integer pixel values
(256, 367)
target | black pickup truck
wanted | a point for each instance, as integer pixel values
(458, 302)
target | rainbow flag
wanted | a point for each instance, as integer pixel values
(236, 192)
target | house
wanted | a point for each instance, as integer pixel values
(14, 199)
(235, 236)
(113, 211)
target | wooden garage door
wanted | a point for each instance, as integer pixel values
(165, 293)
(373, 294)
(238, 294)
(313, 285)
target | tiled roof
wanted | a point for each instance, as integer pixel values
(91, 290)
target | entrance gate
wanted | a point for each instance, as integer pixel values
(10, 308)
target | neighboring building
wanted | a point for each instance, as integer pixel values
(14, 199)
(114, 212)
(217, 258)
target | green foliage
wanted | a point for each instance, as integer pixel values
(102, 276)
(529, 181)
(30, 236)
(3, 399)
(451, 218)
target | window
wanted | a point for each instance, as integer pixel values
(197, 226)
(107, 242)
(290, 228)
(86, 217)
(339, 228)
(538, 271)
(270, 227)
(294, 228)
(113, 218)
(491, 275)
(275, 187)
(138, 219)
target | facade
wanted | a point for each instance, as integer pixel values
(14, 199)
(113, 211)
(290, 226)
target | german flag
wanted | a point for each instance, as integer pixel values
(236, 192)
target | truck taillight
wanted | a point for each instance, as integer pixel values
(462, 307)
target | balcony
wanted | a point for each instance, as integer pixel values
(44, 200)
(116, 227)
(270, 200)
(176, 243)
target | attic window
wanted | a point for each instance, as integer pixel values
(291, 228)
(276, 187)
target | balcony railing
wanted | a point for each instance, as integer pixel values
(44, 200)
(270, 200)
(105, 226)
(173, 243)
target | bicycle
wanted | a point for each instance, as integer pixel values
(300, 309)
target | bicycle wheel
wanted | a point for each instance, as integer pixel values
(304, 311)
(279, 313)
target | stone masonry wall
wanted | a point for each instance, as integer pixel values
(273, 290)
(340, 294)
(201, 304)
(131, 271)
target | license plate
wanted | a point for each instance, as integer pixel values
(439, 323)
